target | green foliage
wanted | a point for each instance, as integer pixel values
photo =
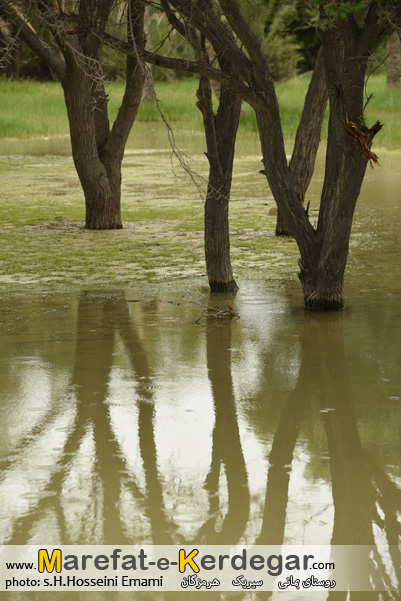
(331, 10)
(270, 21)
(288, 32)
(279, 43)
(339, 9)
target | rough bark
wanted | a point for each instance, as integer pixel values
(393, 61)
(323, 265)
(97, 151)
(307, 139)
(220, 133)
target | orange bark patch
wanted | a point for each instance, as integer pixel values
(356, 133)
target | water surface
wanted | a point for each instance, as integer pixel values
(124, 421)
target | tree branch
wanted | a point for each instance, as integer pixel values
(201, 14)
(242, 29)
(135, 79)
(187, 32)
(234, 84)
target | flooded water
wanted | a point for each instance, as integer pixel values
(124, 421)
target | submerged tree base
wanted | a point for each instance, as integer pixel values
(230, 286)
(317, 303)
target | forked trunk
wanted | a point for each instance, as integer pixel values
(97, 151)
(99, 177)
(324, 251)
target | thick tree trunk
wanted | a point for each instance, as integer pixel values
(97, 151)
(323, 265)
(302, 163)
(217, 242)
(324, 252)
(323, 288)
(100, 181)
(394, 60)
(220, 131)
(102, 200)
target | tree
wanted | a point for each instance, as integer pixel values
(352, 32)
(97, 150)
(220, 133)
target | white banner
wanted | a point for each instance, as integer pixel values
(179, 568)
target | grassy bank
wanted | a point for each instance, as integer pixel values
(32, 109)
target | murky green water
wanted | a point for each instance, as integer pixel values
(124, 421)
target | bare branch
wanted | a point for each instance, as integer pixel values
(201, 68)
(135, 79)
(242, 29)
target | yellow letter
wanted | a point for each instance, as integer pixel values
(189, 559)
(44, 559)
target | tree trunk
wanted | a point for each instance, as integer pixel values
(394, 60)
(220, 131)
(100, 180)
(307, 140)
(102, 200)
(323, 265)
(217, 241)
(97, 151)
(324, 252)
(323, 288)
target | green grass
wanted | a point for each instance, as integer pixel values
(32, 109)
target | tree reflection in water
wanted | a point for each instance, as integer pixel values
(366, 500)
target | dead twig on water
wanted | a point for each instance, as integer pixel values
(216, 312)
